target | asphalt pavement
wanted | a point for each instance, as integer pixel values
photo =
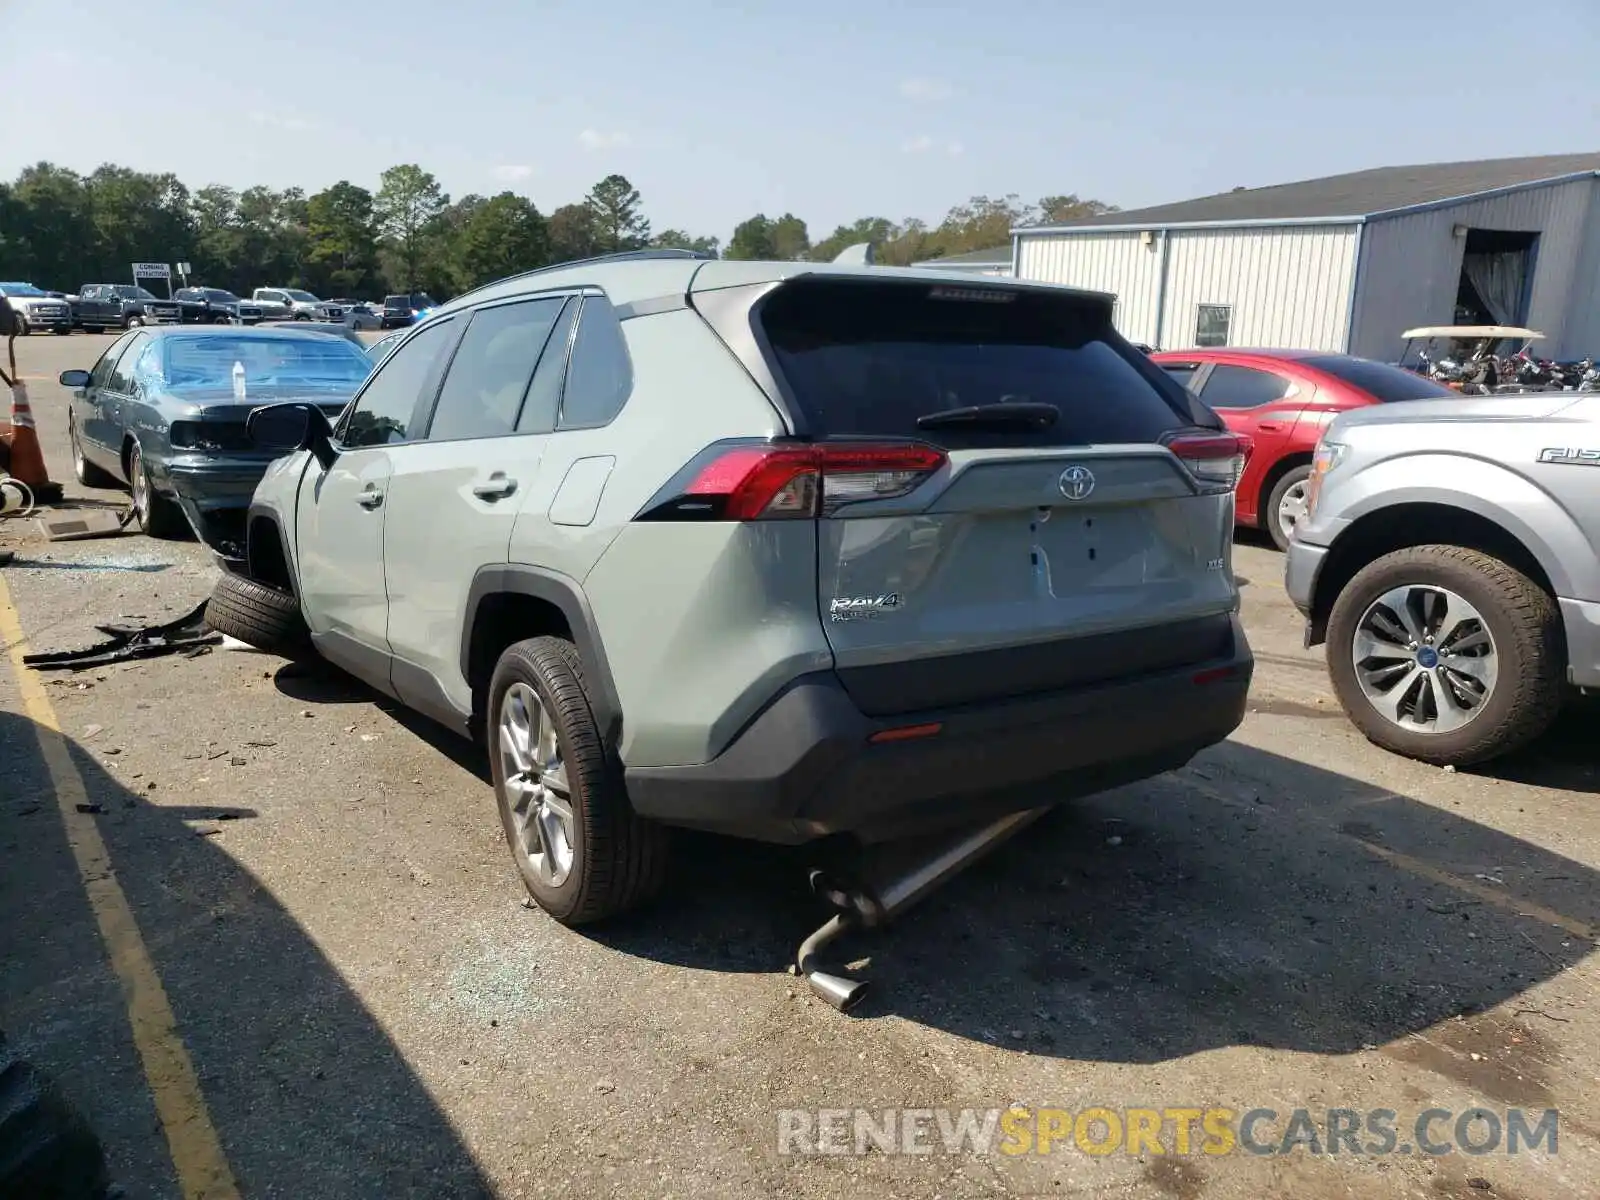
(262, 926)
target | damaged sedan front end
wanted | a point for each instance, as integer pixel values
(164, 411)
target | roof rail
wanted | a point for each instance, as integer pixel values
(619, 256)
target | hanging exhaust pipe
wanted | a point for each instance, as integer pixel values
(872, 903)
(838, 990)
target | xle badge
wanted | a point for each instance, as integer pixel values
(860, 608)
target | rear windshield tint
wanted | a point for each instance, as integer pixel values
(1387, 383)
(869, 359)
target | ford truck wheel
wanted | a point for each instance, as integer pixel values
(582, 853)
(1446, 655)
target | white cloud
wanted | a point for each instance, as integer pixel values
(955, 149)
(595, 139)
(512, 172)
(278, 121)
(925, 91)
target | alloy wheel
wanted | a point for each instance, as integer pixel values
(1292, 508)
(1424, 658)
(538, 795)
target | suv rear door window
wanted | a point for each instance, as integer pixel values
(870, 359)
(492, 367)
(1389, 385)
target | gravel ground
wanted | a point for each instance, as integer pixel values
(1294, 921)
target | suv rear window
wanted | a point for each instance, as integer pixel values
(1387, 383)
(870, 358)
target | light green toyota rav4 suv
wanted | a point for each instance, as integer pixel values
(780, 550)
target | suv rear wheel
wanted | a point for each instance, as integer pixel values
(582, 852)
(1446, 655)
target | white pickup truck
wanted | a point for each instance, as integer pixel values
(295, 304)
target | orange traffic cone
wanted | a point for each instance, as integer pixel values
(20, 439)
(26, 457)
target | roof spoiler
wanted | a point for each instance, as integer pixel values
(859, 255)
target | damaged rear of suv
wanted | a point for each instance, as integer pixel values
(784, 551)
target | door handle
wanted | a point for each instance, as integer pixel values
(370, 498)
(1270, 426)
(498, 487)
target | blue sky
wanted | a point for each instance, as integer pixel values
(831, 109)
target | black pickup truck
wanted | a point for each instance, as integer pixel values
(102, 306)
(214, 306)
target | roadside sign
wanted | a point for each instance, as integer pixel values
(183, 269)
(152, 271)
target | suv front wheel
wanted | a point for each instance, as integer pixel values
(1446, 655)
(582, 852)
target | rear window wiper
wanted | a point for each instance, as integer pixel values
(1007, 414)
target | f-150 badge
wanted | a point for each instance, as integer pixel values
(1574, 456)
(859, 608)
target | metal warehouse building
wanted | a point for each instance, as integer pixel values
(1348, 262)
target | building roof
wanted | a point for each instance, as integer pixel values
(1347, 197)
(995, 256)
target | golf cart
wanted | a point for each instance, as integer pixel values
(1466, 360)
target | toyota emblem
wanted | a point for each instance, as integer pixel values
(1076, 483)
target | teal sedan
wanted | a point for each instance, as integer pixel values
(163, 411)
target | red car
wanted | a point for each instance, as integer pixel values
(1282, 400)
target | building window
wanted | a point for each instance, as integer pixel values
(1211, 324)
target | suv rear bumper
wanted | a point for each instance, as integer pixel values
(806, 767)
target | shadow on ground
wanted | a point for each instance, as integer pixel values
(308, 1094)
(1269, 906)
(1564, 757)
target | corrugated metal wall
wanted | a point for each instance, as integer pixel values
(1411, 267)
(1104, 262)
(1580, 335)
(1286, 286)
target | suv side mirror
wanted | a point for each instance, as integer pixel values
(289, 427)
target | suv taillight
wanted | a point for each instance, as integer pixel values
(768, 481)
(1215, 458)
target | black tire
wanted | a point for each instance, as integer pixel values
(83, 470)
(66, 332)
(618, 860)
(132, 321)
(157, 515)
(258, 615)
(1523, 621)
(1292, 478)
(47, 1149)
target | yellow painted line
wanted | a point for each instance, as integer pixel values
(1499, 897)
(202, 1169)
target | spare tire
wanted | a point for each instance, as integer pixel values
(259, 615)
(47, 1150)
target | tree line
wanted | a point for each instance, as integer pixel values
(60, 229)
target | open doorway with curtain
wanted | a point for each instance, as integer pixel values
(1496, 277)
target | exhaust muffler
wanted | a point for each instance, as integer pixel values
(874, 898)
